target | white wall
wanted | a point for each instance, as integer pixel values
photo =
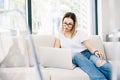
(117, 13)
(108, 16)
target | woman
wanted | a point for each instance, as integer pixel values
(85, 56)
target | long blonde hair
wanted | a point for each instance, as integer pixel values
(74, 18)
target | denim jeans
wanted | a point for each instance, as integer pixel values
(87, 63)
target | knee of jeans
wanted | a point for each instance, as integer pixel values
(97, 61)
(94, 58)
(107, 65)
(77, 57)
(74, 58)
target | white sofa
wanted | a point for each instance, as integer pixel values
(55, 63)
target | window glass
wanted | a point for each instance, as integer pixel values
(15, 57)
(47, 14)
(12, 10)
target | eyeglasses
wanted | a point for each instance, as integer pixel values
(67, 24)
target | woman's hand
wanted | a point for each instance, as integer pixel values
(100, 54)
(92, 50)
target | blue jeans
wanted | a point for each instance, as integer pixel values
(87, 62)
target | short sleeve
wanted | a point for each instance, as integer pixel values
(83, 35)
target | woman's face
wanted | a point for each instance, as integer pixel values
(67, 24)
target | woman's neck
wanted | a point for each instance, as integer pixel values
(67, 34)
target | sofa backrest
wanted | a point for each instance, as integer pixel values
(43, 40)
(112, 49)
(48, 41)
(38, 41)
(97, 42)
(5, 43)
(14, 51)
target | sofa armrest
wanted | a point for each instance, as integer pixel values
(112, 50)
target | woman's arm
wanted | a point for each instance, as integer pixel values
(57, 43)
(92, 50)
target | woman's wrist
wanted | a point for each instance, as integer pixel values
(95, 51)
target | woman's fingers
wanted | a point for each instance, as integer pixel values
(100, 54)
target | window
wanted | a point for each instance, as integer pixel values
(47, 14)
(14, 59)
(10, 11)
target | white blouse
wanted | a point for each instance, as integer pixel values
(75, 43)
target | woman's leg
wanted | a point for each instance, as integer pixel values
(103, 65)
(86, 65)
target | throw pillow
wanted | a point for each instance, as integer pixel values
(14, 57)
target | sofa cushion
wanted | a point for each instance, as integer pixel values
(38, 41)
(55, 57)
(112, 50)
(22, 73)
(97, 42)
(43, 40)
(65, 74)
(2, 55)
(17, 54)
(5, 44)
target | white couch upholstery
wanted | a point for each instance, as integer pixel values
(57, 70)
(61, 73)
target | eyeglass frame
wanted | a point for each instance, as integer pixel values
(67, 24)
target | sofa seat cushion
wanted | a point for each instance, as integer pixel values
(24, 73)
(65, 74)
